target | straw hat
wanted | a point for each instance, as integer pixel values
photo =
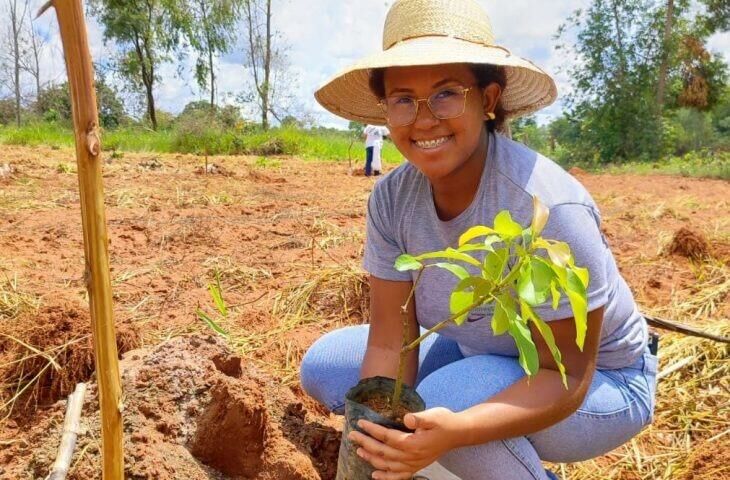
(434, 32)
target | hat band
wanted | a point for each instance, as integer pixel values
(485, 44)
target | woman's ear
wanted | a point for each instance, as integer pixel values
(490, 99)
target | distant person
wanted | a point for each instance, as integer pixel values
(373, 146)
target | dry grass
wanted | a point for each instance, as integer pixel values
(331, 293)
(691, 427)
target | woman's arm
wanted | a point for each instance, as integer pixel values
(386, 330)
(529, 406)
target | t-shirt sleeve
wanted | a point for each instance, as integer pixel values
(381, 248)
(579, 226)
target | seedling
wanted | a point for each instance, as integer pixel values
(216, 294)
(513, 268)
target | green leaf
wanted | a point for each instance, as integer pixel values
(505, 226)
(458, 302)
(529, 360)
(450, 254)
(504, 314)
(407, 262)
(579, 304)
(495, 263)
(217, 295)
(533, 284)
(540, 214)
(460, 272)
(582, 274)
(475, 232)
(558, 252)
(480, 286)
(547, 335)
(555, 293)
(211, 323)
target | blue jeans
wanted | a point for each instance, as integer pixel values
(618, 405)
(368, 161)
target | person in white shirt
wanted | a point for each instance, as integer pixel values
(373, 145)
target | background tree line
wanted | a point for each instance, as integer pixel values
(145, 35)
(644, 84)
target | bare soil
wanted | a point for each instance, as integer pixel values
(285, 241)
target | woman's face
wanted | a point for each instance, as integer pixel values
(439, 148)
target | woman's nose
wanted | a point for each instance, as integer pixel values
(424, 117)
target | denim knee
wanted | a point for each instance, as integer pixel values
(332, 365)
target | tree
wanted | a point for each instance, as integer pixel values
(267, 62)
(634, 60)
(31, 61)
(54, 104)
(212, 32)
(148, 33)
(11, 60)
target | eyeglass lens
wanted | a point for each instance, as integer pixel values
(444, 104)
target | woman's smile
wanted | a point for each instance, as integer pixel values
(434, 144)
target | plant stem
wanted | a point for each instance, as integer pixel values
(403, 357)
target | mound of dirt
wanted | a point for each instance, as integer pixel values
(689, 244)
(60, 329)
(192, 411)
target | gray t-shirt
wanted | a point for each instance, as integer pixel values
(402, 219)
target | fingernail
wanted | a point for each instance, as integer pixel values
(359, 452)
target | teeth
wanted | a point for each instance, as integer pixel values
(431, 143)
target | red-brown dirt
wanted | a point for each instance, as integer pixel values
(285, 241)
(192, 410)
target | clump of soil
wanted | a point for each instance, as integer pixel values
(689, 244)
(60, 331)
(706, 461)
(192, 410)
(213, 169)
(380, 403)
(577, 171)
(152, 163)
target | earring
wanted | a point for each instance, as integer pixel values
(491, 116)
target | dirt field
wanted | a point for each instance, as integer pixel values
(285, 237)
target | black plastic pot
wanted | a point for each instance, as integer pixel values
(349, 465)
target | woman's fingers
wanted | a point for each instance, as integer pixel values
(393, 438)
(384, 464)
(377, 448)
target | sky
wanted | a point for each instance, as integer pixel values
(324, 36)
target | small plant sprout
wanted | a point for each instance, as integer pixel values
(216, 294)
(519, 271)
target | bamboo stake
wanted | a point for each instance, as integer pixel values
(70, 431)
(72, 27)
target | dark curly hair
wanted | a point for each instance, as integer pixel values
(485, 75)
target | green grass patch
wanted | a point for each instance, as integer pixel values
(700, 164)
(201, 139)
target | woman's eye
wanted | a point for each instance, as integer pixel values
(400, 100)
(444, 94)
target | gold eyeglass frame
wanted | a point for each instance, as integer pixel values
(384, 107)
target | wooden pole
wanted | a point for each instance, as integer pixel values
(88, 148)
(71, 425)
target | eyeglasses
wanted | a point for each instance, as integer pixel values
(402, 110)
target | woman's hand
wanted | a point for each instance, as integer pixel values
(398, 455)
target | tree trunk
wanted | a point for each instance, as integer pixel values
(16, 27)
(212, 78)
(665, 56)
(267, 69)
(619, 42)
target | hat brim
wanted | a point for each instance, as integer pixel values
(348, 93)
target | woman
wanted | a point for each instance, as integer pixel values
(445, 91)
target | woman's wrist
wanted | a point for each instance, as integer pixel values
(465, 428)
